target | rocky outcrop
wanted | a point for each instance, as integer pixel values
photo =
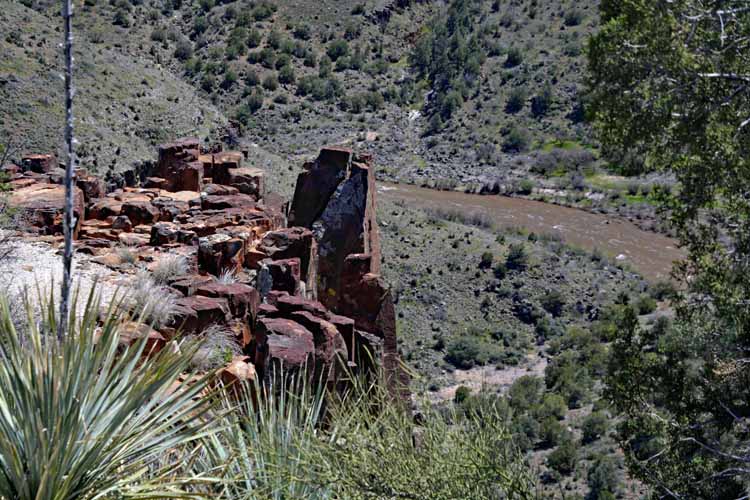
(42, 206)
(249, 271)
(335, 199)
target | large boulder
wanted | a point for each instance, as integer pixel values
(140, 212)
(178, 165)
(335, 198)
(220, 253)
(285, 274)
(40, 164)
(92, 186)
(43, 206)
(104, 207)
(196, 313)
(288, 243)
(330, 348)
(243, 300)
(280, 342)
(250, 181)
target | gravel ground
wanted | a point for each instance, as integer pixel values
(33, 264)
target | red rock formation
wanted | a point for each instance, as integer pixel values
(40, 164)
(335, 198)
(231, 224)
(42, 206)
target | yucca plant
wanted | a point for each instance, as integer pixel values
(86, 418)
(376, 450)
(266, 441)
(306, 444)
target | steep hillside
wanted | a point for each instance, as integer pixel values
(124, 104)
(447, 93)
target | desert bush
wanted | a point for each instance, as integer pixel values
(152, 302)
(541, 103)
(159, 34)
(486, 260)
(518, 258)
(251, 78)
(336, 49)
(514, 57)
(184, 50)
(286, 75)
(551, 432)
(270, 82)
(470, 350)
(552, 405)
(79, 421)
(645, 304)
(500, 270)
(168, 268)
(254, 37)
(594, 426)
(553, 302)
(525, 392)
(602, 479)
(126, 255)
(573, 17)
(516, 100)
(564, 458)
(515, 141)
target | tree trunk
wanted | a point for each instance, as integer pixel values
(69, 222)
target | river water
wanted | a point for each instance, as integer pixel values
(650, 254)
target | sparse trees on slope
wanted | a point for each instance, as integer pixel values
(670, 80)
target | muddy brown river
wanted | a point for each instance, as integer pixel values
(649, 253)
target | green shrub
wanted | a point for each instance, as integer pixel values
(121, 18)
(517, 259)
(553, 302)
(254, 37)
(470, 350)
(573, 17)
(230, 78)
(515, 141)
(552, 405)
(525, 392)
(263, 11)
(461, 395)
(486, 260)
(516, 100)
(255, 101)
(302, 31)
(324, 67)
(500, 270)
(268, 58)
(541, 103)
(286, 75)
(251, 78)
(551, 432)
(594, 426)
(514, 57)
(526, 187)
(337, 48)
(645, 304)
(159, 34)
(564, 458)
(200, 25)
(270, 82)
(208, 82)
(184, 50)
(602, 479)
